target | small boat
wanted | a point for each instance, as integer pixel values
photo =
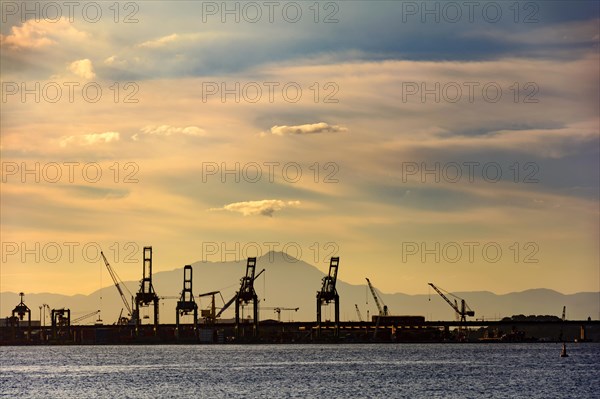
(563, 353)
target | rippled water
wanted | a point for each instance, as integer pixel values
(302, 371)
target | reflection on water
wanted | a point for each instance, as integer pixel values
(270, 371)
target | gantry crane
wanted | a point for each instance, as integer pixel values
(329, 294)
(61, 322)
(17, 316)
(358, 313)
(186, 303)
(464, 309)
(247, 294)
(244, 296)
(117, 281)
(146, 293)
(62, 317)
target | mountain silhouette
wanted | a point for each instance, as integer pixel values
(291, 283)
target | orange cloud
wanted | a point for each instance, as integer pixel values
(37, 34)
(83, 68)
(263, 207)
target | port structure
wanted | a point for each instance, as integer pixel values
(381, 307)
(358, 314)
(61, 322)
(87, 316)
(210, 315)
(146, 294)
(245, 295)
(131, 314)
(18, 314)
(462, 312)
(280, 309)
(186, 303)
(328, 294)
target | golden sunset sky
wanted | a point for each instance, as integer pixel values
(376, 104)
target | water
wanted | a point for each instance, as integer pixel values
(302, 371)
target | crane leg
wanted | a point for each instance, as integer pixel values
(237, 317)
(255, 330)
(177, 324)
(337, 316)
(156, 307)
(318, 316)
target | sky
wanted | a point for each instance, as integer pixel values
(446, 142)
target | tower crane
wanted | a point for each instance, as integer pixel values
(358, 313)
(464, 309)
(117, 281)
(383, 310)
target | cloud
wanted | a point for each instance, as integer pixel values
(313, 128)
(263, 207)
(90, 139)
(160, 42)
(175, 38)
(83, 68)
(167, 130)
(547, 143)
(567, 33)
(33, 35)
(115, 61)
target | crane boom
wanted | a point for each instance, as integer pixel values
(228, 304)
(358, 313)
(455, 307)
(463, 311)
(258, 275)
(116, 279)
(209, 293)
(232, 300)
(85, 316)
(383, 310)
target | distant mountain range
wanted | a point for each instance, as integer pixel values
(294, 284)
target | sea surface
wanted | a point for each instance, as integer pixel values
(302, 371)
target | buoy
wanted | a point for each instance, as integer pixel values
(563, 353)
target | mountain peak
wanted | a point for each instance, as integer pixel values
(277, 257)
